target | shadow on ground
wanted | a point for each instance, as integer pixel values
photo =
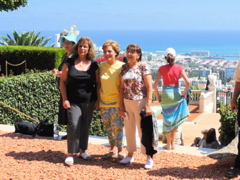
(211, 171)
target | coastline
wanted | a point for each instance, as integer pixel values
(183, 41)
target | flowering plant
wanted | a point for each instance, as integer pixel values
(101, 59)
(120, 58)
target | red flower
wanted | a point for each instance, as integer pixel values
(120, 58)
(101, 59)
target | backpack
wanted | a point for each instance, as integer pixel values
(25, 127)
(44, 128)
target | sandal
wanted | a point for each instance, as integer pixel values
(109, 155)
(85, 156)
(165, 147)
(69, 161)
(121, 156)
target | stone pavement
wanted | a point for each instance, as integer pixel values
(203, 121)
(190, 131)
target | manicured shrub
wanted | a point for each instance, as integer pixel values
(35, 94)
(40, 58)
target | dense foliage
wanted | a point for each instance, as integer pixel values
(228, 126)
(97, 127)
(25, 39)
(36, 95)
(10, 5)
(40, 58)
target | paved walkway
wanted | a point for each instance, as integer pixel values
(190, 130)
(203, 121)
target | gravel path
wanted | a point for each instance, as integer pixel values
(22, 157)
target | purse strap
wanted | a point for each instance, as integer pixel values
(38, 129)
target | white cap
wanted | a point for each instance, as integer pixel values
(170, 51)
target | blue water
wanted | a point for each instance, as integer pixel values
(217, 42)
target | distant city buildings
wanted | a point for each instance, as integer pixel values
(200, 53)
(203, 72)
(160, 53)
(229, 72)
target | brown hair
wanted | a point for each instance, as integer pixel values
(135, 48)
(91, 51)
(211, 136)
(113, 44)
(170, 59)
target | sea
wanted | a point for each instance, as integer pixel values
(217, 42)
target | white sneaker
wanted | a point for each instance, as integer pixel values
(149, 163)
(127, 160)
(69, 161)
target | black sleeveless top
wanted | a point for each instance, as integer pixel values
(81, 85)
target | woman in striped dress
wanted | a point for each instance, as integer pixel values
(174, 105)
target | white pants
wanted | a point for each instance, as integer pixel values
(133, 122)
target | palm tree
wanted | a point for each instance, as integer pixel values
(25, 39)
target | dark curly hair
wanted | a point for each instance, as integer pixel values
(211, 136)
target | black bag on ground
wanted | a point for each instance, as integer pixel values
(25, 127)
(44, 128)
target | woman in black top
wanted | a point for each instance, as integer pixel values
(68, 42)
(78, 85)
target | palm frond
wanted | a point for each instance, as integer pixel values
(46, 41)
(10, 41)
(25, 39)
(16, 37)
(3, 43)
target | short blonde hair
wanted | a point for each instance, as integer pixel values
(113, 44)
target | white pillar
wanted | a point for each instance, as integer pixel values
(212, 87)
(57, 36)
(202, 102)
(214, 100)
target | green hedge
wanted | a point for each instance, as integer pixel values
(36, 95)
(97, 128)
(40, 58)
(228, 126)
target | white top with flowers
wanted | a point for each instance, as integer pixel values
(134, 85)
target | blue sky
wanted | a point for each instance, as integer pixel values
(124, 15)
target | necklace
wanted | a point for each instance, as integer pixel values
(82, 65)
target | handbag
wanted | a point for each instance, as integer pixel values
(44, 128)
(25, 127)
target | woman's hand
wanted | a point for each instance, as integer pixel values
(184, 95)
(123, 113)
(59, 74)
(148, 110)
(66, 104)
(56, 72)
